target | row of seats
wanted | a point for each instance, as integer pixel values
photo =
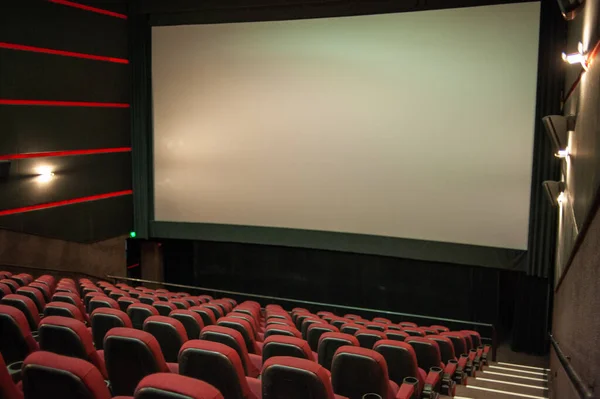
(126, 340)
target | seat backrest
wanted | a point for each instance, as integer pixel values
(169, 333)
(294, 378)
(329, 343)
(249, 319)
(367, 338)
(282, 345)
(125, 301)
(439, 328)
(376, 326)
(307, 322)
(233, 339)
(428, 352)
(396, 335)
(216, 364)
(458, 342)
(8, 389)
(475, 338)
(192, 322)
(147, 299)
(282, 329)
(314, 333)
(468, 339)
(429, 331)
(4, 290)
(352, 316)
(401, 359)
(35, 295)
(164, 307)
(174, 386)
(357, 371)
(244, 328)
(446, 347)
(88, 298)
(350, 328)
(103, 320)
(25, 305)
(16, 341)
(139, 312)
(415, 331)
(47, 374)
(63, 309)
(102, 302)
(207, 315)
(69, 337)
(216, 309)
(131, 355)
(382, 320)
(180, 303)
(300, 317)
(13, 285)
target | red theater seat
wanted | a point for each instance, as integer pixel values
(139, 312)
(314, 333)
(281, 329)
(220, 366)
(376, 326)
(448, 356)
(396, 335)
(281, 345)
(4, 290)
(216, 309)
(350, 328)
(130, 356)
(207, 315)
(164, 307)
(169, 333)
(192, 322)
(357, 371)
(69, 337)
(307, 322)
(430, 360)
(102, 302)
(173, 386)
(293, 378)
(8, 389)
(35, 295)
(329, 343)
(47, 375)
(367, 338)
(244, 328)
(12, 284)
(105, 319)
(17, 341)
(25, 305)
(415, 331)
(402, 362)
(124, 302)
(63, 309)
(232, 338)
(440, 329)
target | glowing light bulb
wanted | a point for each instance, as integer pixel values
(563, 153)
(45, 174)
(561, 198)
(573, 58)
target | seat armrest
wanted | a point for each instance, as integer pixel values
(408, 389)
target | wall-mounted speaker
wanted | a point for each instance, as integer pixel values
(4, 170)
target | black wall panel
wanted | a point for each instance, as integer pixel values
(62, 128)
(27, 75)
(44, 24)
(34, 76)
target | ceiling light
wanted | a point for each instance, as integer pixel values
(580, 57)
(555, 190)
(45, 174)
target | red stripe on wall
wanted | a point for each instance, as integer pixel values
(48, 154)
(89, 8)
(21, 47)
(65, 202)
(133, 266)
(52, 103)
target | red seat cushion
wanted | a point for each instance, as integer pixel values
(164, 385)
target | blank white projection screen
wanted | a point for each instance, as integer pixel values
(414, 125)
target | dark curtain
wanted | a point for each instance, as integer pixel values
(533, 292)
(141, 116)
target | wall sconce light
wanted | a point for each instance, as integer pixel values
(555, 190)
(577, 58)
(569, 8)
(558, 128)
(45, 174)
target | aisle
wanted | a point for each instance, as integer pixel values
(506, 381)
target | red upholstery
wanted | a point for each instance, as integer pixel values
(352, 316)
(217, 364)
(8, 389)
(236, 341)
(376, 326)
(440, 328)
(103, 320)
(282, 345)
(401, 360)
(25, 305)
(329, 343)
(208, 317)
(408, 324)
(291, 377)
(4, 290)
(53, 338)
(314, 333)
(17, 341)
(282, 329)
(367, 338)
(192, 301)
(164, 307)
(47, 374)
(350, 328)
(164, 385)
(415, 331)
(382, 320)
(253, 323)
(103, 302)
(130, 356)
(124, 302)
(356, 371)
(244, 327)
(205, 298)
(64, 309)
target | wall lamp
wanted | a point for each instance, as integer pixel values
(45, 174)
(558, 128)
(569, 8)
(580, 57)
(555, 190)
